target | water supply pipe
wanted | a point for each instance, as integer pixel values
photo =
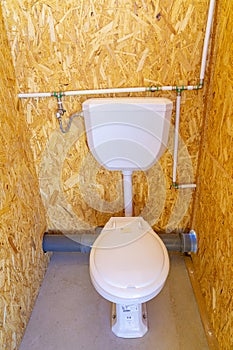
(176, 145)
(177, 186)
(178, 98)
(109, 91)
(206, 40)
(82, 243)
(176, 136)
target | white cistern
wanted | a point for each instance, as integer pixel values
(129, 263)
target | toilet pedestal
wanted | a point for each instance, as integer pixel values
(129, 265)
(129, 321)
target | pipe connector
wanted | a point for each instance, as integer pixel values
(189, 242)
(179, 89)
(58, 94)
(154, 88)
(180, 242)
(174, 185)
(201, 83)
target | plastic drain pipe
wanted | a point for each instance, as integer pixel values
(82, 243)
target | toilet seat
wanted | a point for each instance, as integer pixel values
(128, 261)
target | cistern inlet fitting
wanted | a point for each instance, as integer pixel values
(61, 111)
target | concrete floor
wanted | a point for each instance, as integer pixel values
(70, 315)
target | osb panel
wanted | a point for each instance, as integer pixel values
(99, 44)
(214, 203)
(214, 260)
(22, 262)
(221, 130)
(85, 44)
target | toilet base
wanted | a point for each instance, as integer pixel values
(129, 321)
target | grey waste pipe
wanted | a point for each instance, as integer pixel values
(71, 243)
(176, 242)
(180, 242)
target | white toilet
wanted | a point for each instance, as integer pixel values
(129, 263)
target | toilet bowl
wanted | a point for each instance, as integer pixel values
(129, 265)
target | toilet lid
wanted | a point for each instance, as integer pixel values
(129, 255)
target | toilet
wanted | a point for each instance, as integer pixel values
(129, 263)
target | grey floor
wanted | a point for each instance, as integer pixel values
(70, 315)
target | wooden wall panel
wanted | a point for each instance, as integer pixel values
(213, 209)
(100, 44)
(22, 262)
